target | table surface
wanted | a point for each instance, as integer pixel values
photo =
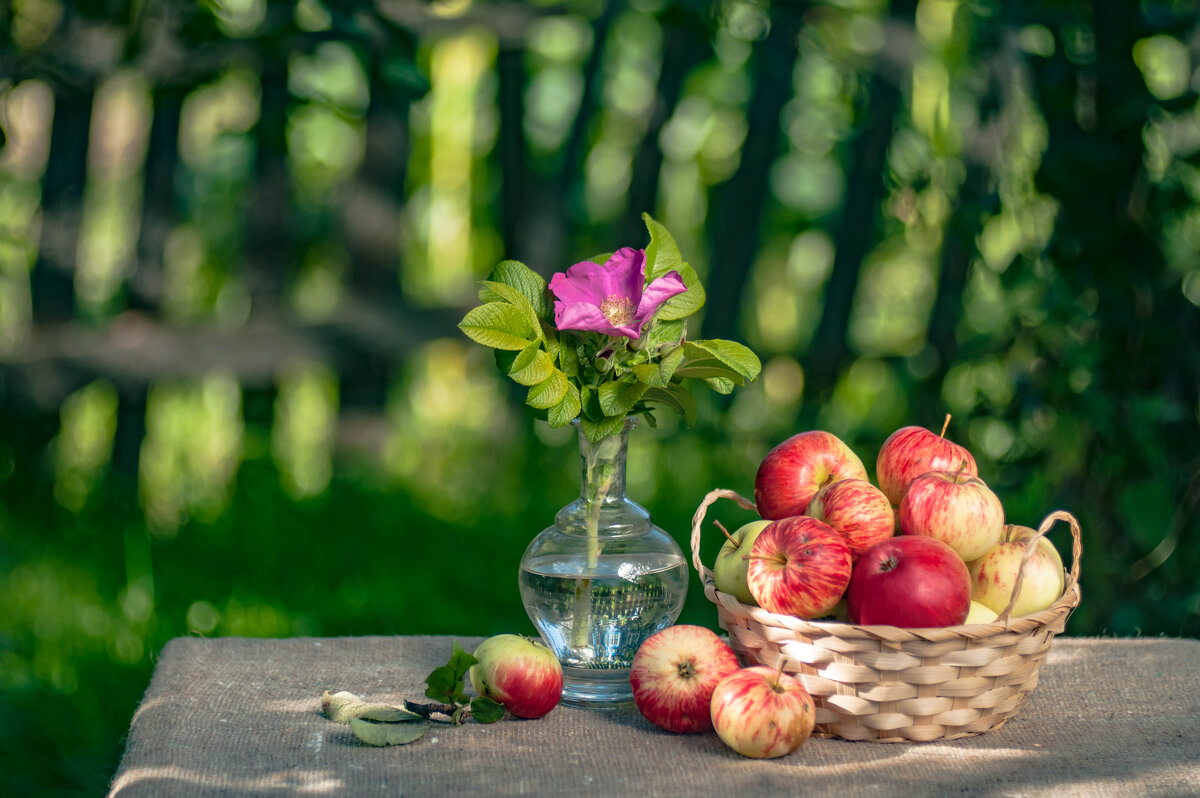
(236, 716)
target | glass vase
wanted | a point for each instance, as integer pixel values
(602, 578)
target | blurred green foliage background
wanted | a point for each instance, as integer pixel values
(235, 237)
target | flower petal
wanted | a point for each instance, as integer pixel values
(583, 316)
(583, 282)
(658, 292)
(579, 316)
(627, 274)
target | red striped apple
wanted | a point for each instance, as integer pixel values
(994, 575)
(519, 673)
(674, 674)
(911, 451)
(956, 508)
(792, 473)
(909, 581)
(799, 566)
(858, 510)
(762, 713)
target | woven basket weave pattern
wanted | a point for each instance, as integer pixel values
(887, 684)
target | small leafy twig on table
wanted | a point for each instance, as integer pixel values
(381, 724)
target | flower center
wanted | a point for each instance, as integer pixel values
(617, 309)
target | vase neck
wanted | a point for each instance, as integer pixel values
(602, 507)
(602, 466)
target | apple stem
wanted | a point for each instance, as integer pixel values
(778, 686)
(962, 469)
(945, 426)
(725, 532)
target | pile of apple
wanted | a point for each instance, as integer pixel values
(686, 679)
(928, 547)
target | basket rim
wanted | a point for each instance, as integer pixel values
(1060, 609)
(1065, 605)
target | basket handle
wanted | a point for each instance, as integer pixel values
(698, 519)
(1031, 547)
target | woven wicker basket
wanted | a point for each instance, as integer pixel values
(886, 684)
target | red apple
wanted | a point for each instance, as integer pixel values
(909, 581)
(858, 510)
(911, 451)
(799, 566)
(519, 673)
(791, 473)
(956, 508)
(762, 713)
(674, 674)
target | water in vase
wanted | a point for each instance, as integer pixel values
(594, 621)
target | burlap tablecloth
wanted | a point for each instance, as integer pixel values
(237, 716)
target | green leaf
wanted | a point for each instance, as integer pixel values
(590, 403)
(340, 707)
(665, 333)
(568, 355)
(662, 253)
(706, 367)
(657, 375)
(498, 325)
(599, 430)
(485, 710)
(618, 398)
(373, 733)
(721, 384)
(683, 305)
(676, 397)
(548, 392)
(531, 366)
(504, 359)
(519, 276)
(550, 335)
(518, 300)
(567, 410)
(445, 683)
(737, 356)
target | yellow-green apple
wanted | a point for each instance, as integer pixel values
(762, 713)
(799, 566)
(674, 673)
(858, 510)
(911, 451)
(791, 473)
(729, 571)
(519, 673)
(956, 508)
(994, 575)
(980, 613)
(909, 581)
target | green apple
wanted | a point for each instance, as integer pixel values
(729, 571)
(979, 613)
(994, 575)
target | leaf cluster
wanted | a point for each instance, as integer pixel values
(381, 724)
(601, 379)
(446, 684)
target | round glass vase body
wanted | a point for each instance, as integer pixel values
(602, 579)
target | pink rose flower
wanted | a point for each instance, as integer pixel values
(612, 299)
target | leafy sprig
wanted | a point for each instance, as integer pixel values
(381, 724)
(597, 378)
